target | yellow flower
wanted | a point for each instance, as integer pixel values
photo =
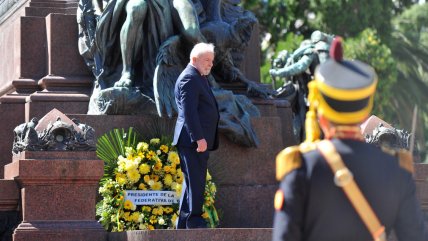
(157, 211)
(154, 177)
(153, 166)
(163, 148)
(167, 169)
(142, 186)
(133, 176)
(144, 168)
(126, 216)
(146, 209)
(174, 218)
(142, 146)
(213, 188)
(153, 219)
(121, 178)
(179, 176)
(157, 186)
(168, 210)
(157, 167)
(142, 226)
(173, 157)
(167, 179)
(173, 171)
(150, 155)
(129, 205)
(178, 190)
(155, 141)
(134, 217)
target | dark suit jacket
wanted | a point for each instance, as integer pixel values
(197, 110)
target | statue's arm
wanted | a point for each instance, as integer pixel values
(296, 68)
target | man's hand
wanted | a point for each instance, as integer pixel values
(202, 145)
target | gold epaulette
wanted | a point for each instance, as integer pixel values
(290, 158)
(405, 160)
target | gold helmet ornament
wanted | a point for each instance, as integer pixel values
(342, 92)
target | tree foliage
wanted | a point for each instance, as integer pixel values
(390, 35)
(346, 18)
(367, 47)
(409, 45)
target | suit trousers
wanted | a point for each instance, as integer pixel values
(194, 168)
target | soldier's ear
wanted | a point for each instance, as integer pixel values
(324, 123)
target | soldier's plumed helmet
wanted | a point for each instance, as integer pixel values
(345, 88)
(342, 90)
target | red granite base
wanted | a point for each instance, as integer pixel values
(60, 231)
(220, 234)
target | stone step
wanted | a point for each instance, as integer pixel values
(57, 1)
(45, 11)
(56, 4)
(219, 234)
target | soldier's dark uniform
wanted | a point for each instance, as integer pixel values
(309, 206)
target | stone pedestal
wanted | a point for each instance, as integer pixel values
(218, 234)
(9, 214)
(12, 109)
(421, 181)
(245, 177)
(58, 191)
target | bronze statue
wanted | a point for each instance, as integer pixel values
(297, 69)
(137, 48)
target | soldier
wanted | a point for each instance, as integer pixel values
(342, 188)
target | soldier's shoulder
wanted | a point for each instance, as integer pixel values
(290, 158)
(405, 158)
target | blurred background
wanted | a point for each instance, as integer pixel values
(391, 36)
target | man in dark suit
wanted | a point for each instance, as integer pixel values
(195, 132)
(342, 188)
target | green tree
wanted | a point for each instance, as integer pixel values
(346, 18)
(400, 57)
(349, 18)
(367, 47)
(409, 45)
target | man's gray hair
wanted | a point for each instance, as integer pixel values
(201, 48)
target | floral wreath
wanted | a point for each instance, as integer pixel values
(152, 166)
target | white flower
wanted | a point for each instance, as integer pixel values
(161, 221)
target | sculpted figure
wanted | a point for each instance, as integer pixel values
(148, 23)
(313, 51)
(139, 48)
(298, 69)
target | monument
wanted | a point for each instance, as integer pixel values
(42, 70)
